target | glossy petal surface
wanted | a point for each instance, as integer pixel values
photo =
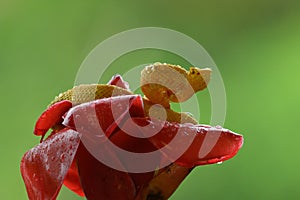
(190, 145)
(51, 116)
(102, 182)
(72, 180)
(117, 80)
(45, 166)
(104, 115)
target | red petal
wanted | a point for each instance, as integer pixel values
(133, 144)
(44, 167)
(117, 80)
(104, 115)
(189, 145)
(72, 180)
(108, 114)
(102, 182)
(212, 145)
(51, 116)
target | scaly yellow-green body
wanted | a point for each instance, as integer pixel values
(162, 83)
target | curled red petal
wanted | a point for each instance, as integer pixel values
(189, 145)
(104, 115)
(212, 145)
(117, 80)
(100, 181)
(72, 180)
(45, 166)
(51, 116)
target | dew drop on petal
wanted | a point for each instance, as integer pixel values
(219, 127)
(63, 157)
(202, 131)
(152, 126)
(35, 177)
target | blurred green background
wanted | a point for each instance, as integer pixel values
(255, 44)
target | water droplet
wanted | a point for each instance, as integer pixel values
(188, 124)
(149, 68)
(63, 157)
(173, 129)
(152, 125)
(77, 116)
(219, 163)
(119, 105)
(202, 131)
(35, 177)
(219, 127)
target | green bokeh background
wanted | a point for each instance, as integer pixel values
(255, 44)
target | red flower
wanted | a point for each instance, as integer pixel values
(109, 149)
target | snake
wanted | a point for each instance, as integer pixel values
(161, 84)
